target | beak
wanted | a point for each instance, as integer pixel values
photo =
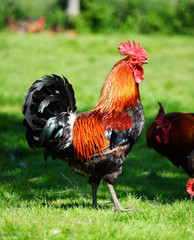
(144, 62)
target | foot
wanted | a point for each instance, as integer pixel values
(127, 209)
(117, 206)
(108, 202)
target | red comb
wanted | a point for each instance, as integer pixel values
(126, 48)
(161, 111)
(190, 187)
(161, 114)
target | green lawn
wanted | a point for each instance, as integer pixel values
(41, 200)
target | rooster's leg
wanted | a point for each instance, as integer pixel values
(94, 183)
(117, 206)
(94, 193)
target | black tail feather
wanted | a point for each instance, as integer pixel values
(47, 107)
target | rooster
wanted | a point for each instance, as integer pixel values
(172, 135)
(27, 25)
(37, 26)
(94, 143)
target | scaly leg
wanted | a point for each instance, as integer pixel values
(94, 193)
(117, 206)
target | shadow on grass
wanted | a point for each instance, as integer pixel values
(25, 174)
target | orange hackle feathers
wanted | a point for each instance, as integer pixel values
(88, 135)
(119, 89)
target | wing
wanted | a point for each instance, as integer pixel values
(123, 127)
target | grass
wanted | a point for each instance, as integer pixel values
(41, 200)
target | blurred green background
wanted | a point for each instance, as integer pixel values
(165, 16)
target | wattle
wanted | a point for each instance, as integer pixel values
(162, 135)
(138, 73)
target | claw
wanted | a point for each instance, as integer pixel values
(127, 209)
(108, 202)
(117, 206)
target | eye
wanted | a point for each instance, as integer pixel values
(134, 59)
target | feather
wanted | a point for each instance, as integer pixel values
(70, 94)
(48, 108)
(50, 100)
